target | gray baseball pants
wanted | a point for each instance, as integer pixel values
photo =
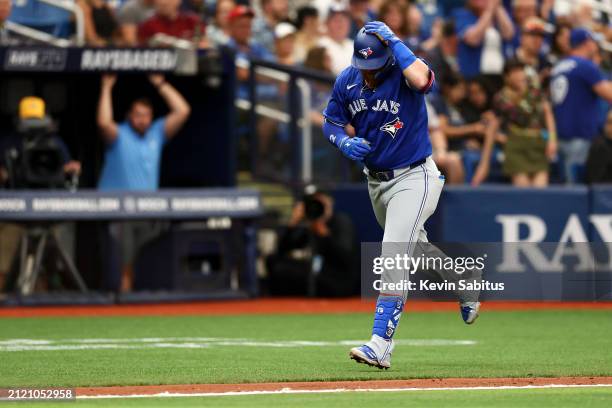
(402, 205)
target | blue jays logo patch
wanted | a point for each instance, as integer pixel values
(366, 52)
(392, 127)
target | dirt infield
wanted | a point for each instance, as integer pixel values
(340, 385)
(282, 305)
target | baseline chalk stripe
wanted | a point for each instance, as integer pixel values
(342, 390)
(15, 345)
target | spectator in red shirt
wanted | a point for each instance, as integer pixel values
(170, 20)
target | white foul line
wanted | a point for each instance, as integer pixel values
(17, 345)
(341, 390)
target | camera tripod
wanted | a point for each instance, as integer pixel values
(37, 242)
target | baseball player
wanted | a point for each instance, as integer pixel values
(382, 96)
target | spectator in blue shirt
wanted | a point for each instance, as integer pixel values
(134, 146)
(575, 88)
(483, 26)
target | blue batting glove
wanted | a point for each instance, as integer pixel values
(355, 148)
(382, 31)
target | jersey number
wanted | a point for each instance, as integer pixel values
(558, 89)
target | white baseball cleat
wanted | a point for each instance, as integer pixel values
(469, 311)
(375, 353)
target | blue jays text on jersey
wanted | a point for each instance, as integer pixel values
(392, 117)
(380, 105)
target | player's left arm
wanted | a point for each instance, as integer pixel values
(417, 73)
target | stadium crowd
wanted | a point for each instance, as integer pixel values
(522, 85)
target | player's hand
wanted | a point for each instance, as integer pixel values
(355, 148)
(382, 31)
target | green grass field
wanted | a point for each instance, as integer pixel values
(98, 351)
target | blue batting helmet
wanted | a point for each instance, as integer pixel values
(369, 52)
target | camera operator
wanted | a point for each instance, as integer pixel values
(35, 156)
(317, 252)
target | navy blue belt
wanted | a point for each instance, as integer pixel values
(388, 175)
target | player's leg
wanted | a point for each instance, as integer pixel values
(375, 190)
(468, 300)
(409, 200)
(469, 306)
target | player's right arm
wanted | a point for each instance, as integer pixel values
(418, 75)
(337, 118)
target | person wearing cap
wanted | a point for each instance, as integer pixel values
(337, 41)
(576, 86)
(284, 43)
(529, 51)
(482, 27)
(32, 115)
(264, 23)
(240, 28)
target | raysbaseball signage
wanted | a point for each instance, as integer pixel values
(33, 58)
(47, 205)
(129, 60)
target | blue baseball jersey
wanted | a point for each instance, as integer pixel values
(575, 103)
(392, 117)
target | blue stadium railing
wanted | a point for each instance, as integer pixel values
(296, 121)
